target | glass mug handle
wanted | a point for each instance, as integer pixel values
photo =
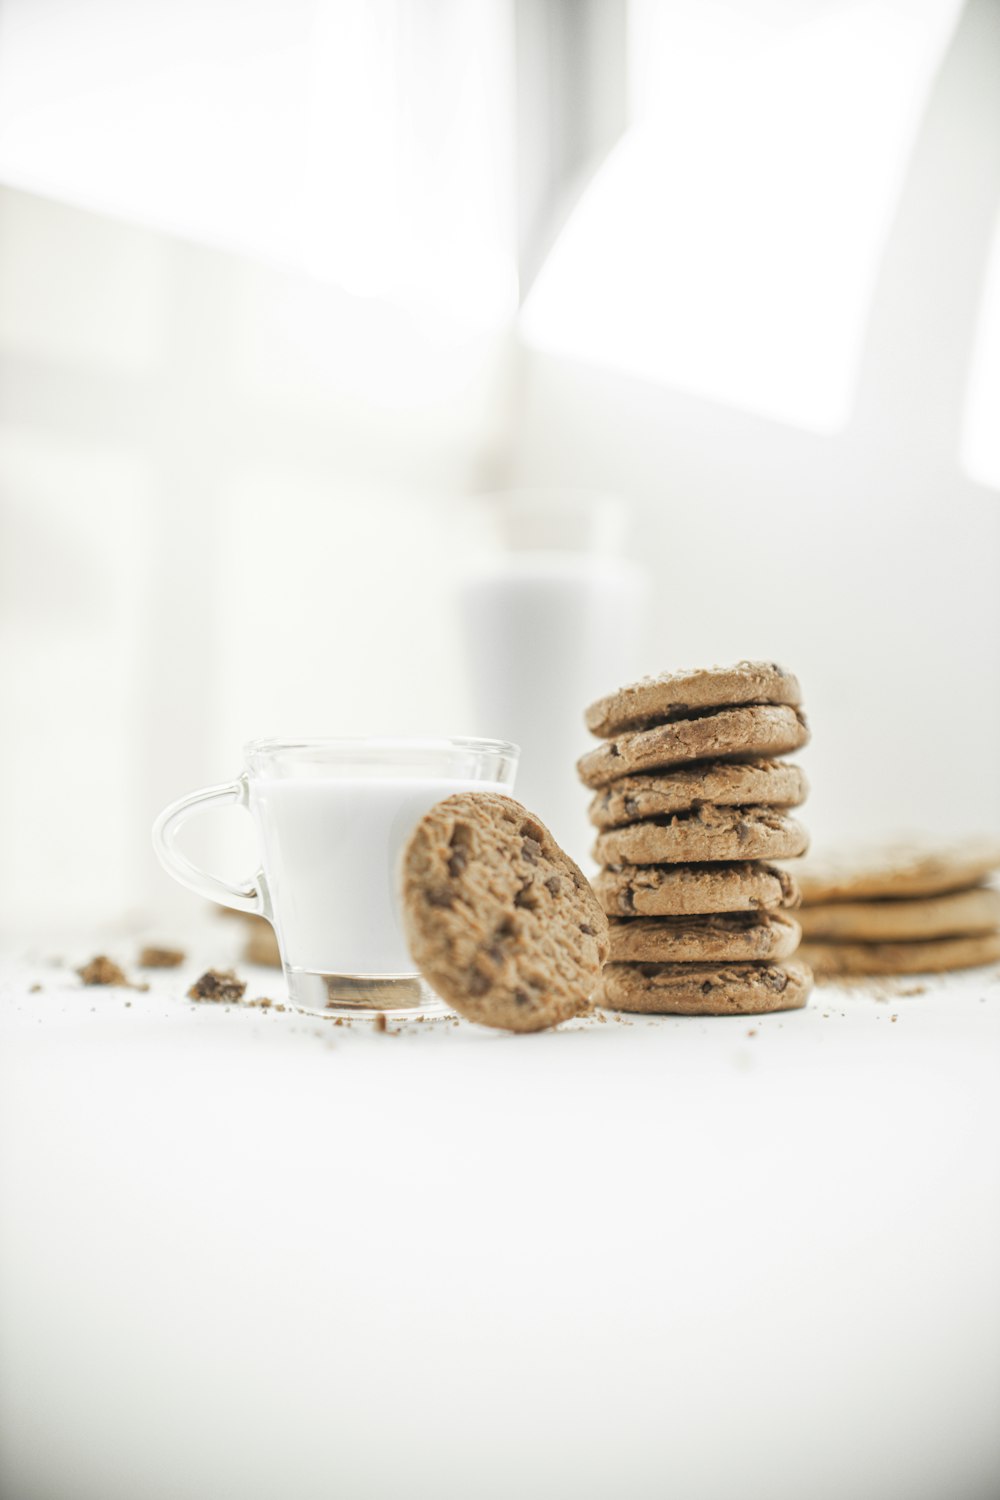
(252, 896)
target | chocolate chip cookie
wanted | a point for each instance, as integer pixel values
(913, 869)
(903, 919)
(730, 937)
(935, 956)
(673, 695)
(693, 890)
(705, 989)
(744, 733)
(703, 834)
(499, 920)
(723, 783)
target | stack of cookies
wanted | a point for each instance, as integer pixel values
(691, 806)
(905, 909)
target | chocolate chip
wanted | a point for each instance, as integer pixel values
(586, 929)
(457, 863)
(553, 885)
(439, 898)
(706, 988)
(478, 983)
(631, 807)
(530, 850)
(521, 997)
(526, 897)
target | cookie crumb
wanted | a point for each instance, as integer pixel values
(381, 1024)
(217, 984)
(161, 958)
(752, 1031)
(893, 1018)
(34, 989)
(101, 970)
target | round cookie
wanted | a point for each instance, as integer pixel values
(906, 918)
(911, 869)
(724, 783)
(672, 695)
(730, 937)
(704, 834)
(936, 956)
(498, 919)
(723, 734)
(693, 890)
(705, 989)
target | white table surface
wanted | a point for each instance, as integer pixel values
(249, 1254)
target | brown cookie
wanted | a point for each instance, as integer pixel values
(498, 919)
(692, 890)
(936, 956)
(723, 783)
(672, 695)
(704, 834)
(731, 937)
(717, 734)
(705, 989)
(913, 869)
(905, 918)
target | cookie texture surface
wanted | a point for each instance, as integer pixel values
(705, 989)
(693, 890)
(499, 920)
(703, 834)
(672, 695)
(906, 918)
(936, 956)
(898, 870)
(716, 734)
(724, 783)
(730, 937)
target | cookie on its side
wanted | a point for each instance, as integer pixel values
(693, 890)
(704, 834)
(759, 729)
(936, 956)
(672, 695)
(499, 920)
(705, 989)
(730, 937)
(905, 918)
(723, 783)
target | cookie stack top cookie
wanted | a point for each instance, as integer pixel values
(691, 810)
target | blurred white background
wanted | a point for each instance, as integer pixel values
(282, 285)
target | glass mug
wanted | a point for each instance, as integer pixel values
(332, 817)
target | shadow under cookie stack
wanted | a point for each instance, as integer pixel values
(690, 803)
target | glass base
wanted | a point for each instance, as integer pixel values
(362, 995)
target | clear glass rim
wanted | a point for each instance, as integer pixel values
(376, 742)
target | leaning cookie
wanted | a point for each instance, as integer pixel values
(705, 989)
(725, 937)
(936, 956)
(499, 920)
(704, 834)
(723, 783)
(674, 695)
(760, 729)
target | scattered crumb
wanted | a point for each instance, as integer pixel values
(217, 984)
(34, 989)
(381, 1024)
(263, 1002)
(752, 1031)
(339, 1021)
(893, 1018)
(128, 1004)
(161, 958)
(101, 970)
(913, 989)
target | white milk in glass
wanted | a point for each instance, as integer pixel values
(546, 632)
(333, 847)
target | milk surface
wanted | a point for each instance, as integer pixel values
(331, 856)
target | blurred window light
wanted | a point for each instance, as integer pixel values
(729, 245)
(980, 443)
(365, 141)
